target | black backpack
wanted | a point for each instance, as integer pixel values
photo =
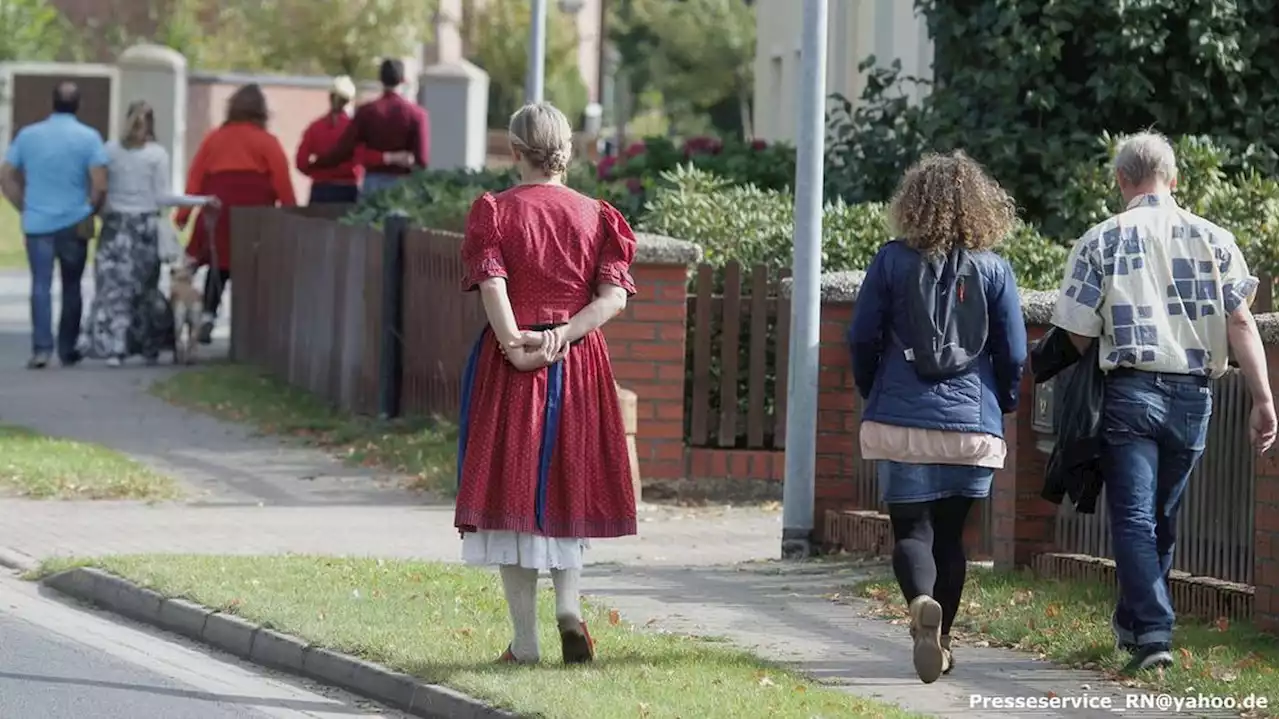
(946, 313)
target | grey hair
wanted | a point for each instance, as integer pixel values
(1146, 156)
(544, 135)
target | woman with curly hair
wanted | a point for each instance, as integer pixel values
(938, 346)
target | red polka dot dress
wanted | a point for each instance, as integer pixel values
(542, 455)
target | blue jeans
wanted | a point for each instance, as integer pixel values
(375, 181)
(1154, 429)
(71, 252)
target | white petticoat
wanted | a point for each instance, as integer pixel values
(531, 551)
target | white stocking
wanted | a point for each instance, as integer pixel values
(521, 587)
(568, 600)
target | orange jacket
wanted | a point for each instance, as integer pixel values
(239, 147)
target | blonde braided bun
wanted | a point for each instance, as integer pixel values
(543, 135)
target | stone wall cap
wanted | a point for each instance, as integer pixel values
(662, 250)
(1037, 305)
(152, 55)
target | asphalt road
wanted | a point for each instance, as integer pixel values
(59, 660)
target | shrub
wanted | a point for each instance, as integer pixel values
(755, 226)
(1240, 200)
(767, 166)
(441, 198)
(1026, 87)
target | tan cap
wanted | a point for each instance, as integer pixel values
(343, 87)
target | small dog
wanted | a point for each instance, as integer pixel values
(187, 306)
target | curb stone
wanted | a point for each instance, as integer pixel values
(17, 561)
(266, 647)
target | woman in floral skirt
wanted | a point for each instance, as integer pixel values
(129, 314)
(542, 454)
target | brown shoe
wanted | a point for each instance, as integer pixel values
(509, 657)
(576, 641)
(948, 660)
(926, 636)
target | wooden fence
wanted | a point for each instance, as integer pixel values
(736, 386)
(307, 303)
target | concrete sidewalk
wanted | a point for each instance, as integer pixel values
(255, 495)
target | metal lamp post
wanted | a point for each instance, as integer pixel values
(535, 76)
(802, 382)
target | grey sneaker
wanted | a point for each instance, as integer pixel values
(1149, 656)
(926, 636)
(39, 360)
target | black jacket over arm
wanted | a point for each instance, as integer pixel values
(1075, 465)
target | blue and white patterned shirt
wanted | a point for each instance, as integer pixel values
(1156, 284)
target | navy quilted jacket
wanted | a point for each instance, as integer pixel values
(972, 402)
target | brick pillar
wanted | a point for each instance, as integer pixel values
(1265, 511)
(838, 452)
(647, 349)
(1030, 525)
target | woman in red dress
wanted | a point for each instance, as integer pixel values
(542, 456)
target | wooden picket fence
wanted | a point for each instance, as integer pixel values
(736, 387)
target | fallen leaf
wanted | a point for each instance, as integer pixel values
(614, 617)
(802, 688)
(1052, 611)
(1222, 624)
(1051, 694)
(1223, 674)
(765, 681)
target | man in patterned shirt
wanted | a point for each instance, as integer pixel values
(1166, 294)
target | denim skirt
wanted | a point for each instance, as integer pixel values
(902, 483)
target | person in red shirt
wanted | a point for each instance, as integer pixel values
(240, 164)
(390, 125)
(339, 184)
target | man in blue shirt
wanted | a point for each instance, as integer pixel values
(55, 173)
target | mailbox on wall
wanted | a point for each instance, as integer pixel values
(1045, 411)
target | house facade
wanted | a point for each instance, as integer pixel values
(888, 29)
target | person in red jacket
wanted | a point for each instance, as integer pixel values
(239, 164)
(391, 125)
(339, 184)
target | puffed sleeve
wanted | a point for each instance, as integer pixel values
(481, 252)
(617, 251)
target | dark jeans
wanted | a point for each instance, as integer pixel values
(1154, 426)
(334, 193)
(215, 282)
(928, 551)
(70, 252)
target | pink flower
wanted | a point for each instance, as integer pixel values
(635, 148)
(759, 144)
(606, 166)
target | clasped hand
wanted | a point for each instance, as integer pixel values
(535, 350)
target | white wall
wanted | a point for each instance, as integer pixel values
(889, 29)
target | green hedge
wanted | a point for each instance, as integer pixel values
(751, 225)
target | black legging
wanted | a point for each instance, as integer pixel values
(928, 551)
(215, 281)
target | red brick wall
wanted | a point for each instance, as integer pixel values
(1265, 552)
(838, 453)
(647, 348)
(746, 464)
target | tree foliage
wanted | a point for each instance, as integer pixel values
(699, 54)
(1027, 87)
(501, 47)
(302, 37)
(33, 30)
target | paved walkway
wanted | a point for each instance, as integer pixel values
(254, 495)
